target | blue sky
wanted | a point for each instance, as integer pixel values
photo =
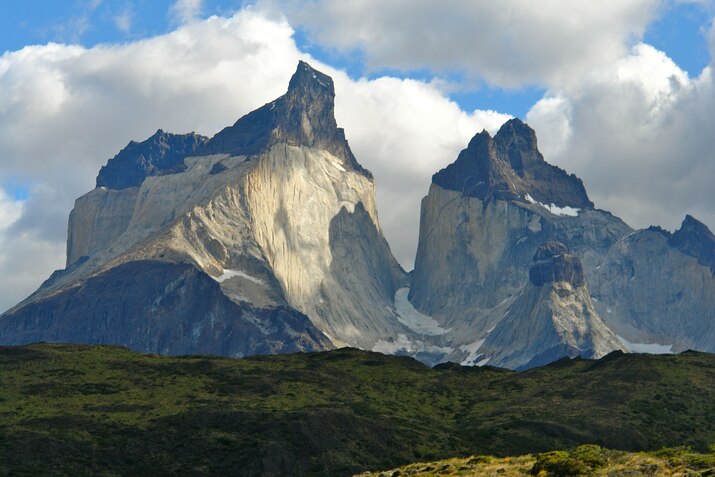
(616, 91)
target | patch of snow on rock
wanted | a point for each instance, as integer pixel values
(649, 348)
(413, 319)
(554, 209)
(238, 273)
(402, 343)
(473, 350)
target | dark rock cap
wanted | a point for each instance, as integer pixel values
(553, 262)
(304, 116)
(508, 167)
(694, 238)
(162, 153)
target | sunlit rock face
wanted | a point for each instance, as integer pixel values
(275, 209)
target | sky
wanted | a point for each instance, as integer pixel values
(620, 92)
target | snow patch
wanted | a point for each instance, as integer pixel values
(238, 273)
(554, 209)
(650, 348)
(413, 319)
(473, 350)
(405, 345)
(402, 343)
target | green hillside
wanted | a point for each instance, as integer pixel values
(84, 410)
(588, 460)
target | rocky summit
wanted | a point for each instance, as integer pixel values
(695, 239)
(510, 166)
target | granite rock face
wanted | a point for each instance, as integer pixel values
(553, 317)
(652, 293)
(554, 262)
(274, 212)
(163, 153)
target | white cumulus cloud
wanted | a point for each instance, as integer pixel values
(638, 132)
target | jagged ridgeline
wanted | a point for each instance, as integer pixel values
(266, 239)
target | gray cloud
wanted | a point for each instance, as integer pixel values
(507, 43)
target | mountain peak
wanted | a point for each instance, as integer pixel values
(304, 116)
(694, 238)
(517, 134)
(553, 262)
(307, 77)
(509, 166)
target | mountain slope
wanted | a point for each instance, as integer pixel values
(552, 317)
(275, 208)
(105, 410)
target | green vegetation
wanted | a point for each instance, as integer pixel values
(589, 460)
(86, 410)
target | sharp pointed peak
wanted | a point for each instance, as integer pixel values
(306, 76)
(515, 127)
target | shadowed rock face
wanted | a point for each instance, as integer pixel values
(509, 166)
(156, 307)
(553, 317)
(695, 239)
(304, 116)
(163, 153)
(554, 263)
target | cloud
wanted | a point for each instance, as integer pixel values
(186, 11)
(65, 110)
(20, 252)
(638, 132)
(507, 43)
(123, 20)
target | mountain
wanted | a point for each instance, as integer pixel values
(101, 410)
(264, 238)
(483, 220)
(552, 317)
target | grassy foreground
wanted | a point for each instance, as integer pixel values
(587, 460)
(88, 410)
